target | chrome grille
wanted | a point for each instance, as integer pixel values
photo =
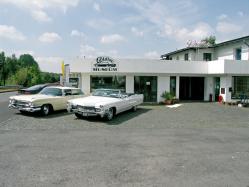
(20, 103)
(86, 108)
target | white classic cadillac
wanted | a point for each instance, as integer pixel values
(48, 100)
(104, 103)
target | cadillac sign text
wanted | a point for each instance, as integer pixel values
(104, 63)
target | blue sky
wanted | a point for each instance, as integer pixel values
(52, 30)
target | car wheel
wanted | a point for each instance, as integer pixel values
(110, 114)
(134, 109)
(45, 110)
(78, 115)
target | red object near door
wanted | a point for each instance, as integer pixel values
(220, 100)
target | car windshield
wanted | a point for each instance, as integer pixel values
(51, 91)
(107, 93)
(36, 87)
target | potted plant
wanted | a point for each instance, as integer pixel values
(168, 97)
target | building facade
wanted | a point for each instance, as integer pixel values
(194, 73)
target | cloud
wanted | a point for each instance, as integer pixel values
(10, 32)
(100, 23)
(40, 16)
(241, 14)
(21, 52)
(37, 8)
(222, 17)
(113, 38)
(76, 33)
(50, 64)
(137, 32)
(227, 27)
(152, 55)
(96, 7)
(183, 34)
(88, 51)
(49, 37)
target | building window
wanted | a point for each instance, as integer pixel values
(186, 56)
(108, 82)
(207, 56)
(146, 85)
(177, 57)
(238, 54)
(173, 85)
(240, 87)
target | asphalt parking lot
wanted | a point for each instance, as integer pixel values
(196, 144)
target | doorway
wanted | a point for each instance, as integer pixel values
(191, 88)
(146, 85)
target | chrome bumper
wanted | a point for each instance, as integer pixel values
(24, 108)
(86, 113)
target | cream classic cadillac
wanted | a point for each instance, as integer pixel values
(49, 99)
(104, 103)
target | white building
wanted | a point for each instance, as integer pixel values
(193, 73)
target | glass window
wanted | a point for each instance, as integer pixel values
(68, 92)
(186, 56)
(238, 54)
(108, 82)
(173, 85)
(146, 85)
(240, 86)
(207, 56)
(51, 91)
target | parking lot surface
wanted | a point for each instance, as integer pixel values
(196, 144)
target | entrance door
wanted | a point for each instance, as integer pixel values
(146, 85)
(192, 88)
(217, 88)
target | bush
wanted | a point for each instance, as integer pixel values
(167, 95)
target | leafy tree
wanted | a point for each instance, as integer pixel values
(21, 76)
(210, 40)
(24, 71)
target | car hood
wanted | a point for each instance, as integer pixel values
(94, 101)
(30, 98)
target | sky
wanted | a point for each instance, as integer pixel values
(56, 30)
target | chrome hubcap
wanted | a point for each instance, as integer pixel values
(46, 110)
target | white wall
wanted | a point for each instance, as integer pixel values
(191, 55)
(226, 82)
(208, 88)
(163, 84)
(129, 84)
(226, 52)
(85, 83)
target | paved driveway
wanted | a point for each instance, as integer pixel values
(196, 144)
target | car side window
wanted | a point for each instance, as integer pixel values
(67, 92)
(77, 92)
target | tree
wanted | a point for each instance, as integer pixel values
(21, 76)
(26, 60)
(210, 40)
(2, 64)
(205, 42)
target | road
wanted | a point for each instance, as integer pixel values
(196, 144)
(5, 113)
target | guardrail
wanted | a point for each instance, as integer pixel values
(10, 88)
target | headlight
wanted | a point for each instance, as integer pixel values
(98, 109)
(11, 101)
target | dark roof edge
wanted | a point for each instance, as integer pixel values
(216, 45)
